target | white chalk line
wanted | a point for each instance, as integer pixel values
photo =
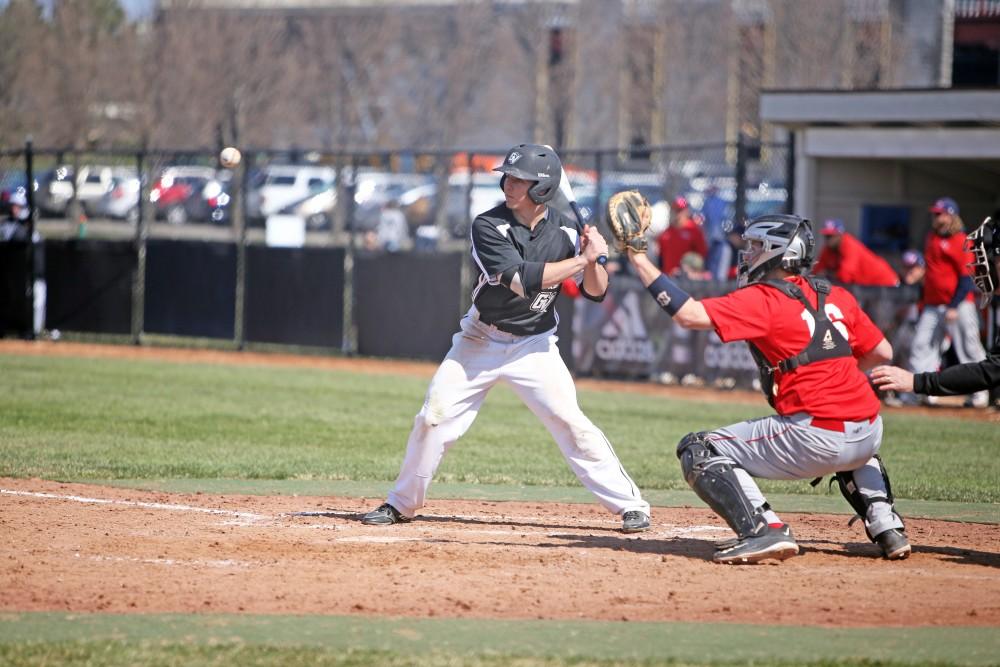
(222, 563)
(247, 516)
(256, 519)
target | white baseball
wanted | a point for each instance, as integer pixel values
(229, 157)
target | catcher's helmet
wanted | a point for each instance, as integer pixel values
(532, 162)
(774, 241)
(984, 244)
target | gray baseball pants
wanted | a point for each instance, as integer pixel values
(925, 353)
(789, 448)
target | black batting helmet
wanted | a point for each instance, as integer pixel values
(532, 162)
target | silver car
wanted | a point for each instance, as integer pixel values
(120, 201)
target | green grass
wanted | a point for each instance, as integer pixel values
(216, 639)
(84, 419)
(256, 429)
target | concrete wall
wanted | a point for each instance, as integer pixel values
(842, 186)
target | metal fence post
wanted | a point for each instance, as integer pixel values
(29, 274)
(239, 186)
(349, 344)
(790, 174)
(598, 215)
(740, 205)
(139, 243)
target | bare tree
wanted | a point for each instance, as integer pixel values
(21, 70)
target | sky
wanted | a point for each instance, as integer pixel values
(133, 8)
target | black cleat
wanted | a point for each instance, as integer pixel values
(384, 515)
(894, 544)
(634, 522)
(773, 543)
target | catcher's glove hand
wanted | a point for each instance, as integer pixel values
(629, 215)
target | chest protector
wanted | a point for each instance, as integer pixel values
(826, 343)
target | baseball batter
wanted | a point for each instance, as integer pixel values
(813, 344)
(524, 250)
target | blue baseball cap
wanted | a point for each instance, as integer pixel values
(912, 258)
(832, 226)
(945, 205)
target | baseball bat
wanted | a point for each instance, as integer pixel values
(567, 191)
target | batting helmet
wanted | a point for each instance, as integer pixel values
(532, 162)
(984, 244)
(775, 241)
(19, 198)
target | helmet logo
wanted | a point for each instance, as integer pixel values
(514, 157)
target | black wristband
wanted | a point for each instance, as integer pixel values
(668, 294)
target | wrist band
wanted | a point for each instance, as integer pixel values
(668, 294)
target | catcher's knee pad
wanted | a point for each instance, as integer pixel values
(860, 503)
(713, 478)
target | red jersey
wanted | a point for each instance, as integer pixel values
(946, 262)
(852, 263)
(674, 242)
(781, 327)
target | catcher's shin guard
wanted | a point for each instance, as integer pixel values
(860, 504)
(713, 478)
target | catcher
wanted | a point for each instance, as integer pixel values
(812, 344)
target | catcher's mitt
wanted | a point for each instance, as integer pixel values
(629, 215)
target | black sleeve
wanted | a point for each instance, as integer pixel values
(961, 379)
(499, 260)
(590, 297)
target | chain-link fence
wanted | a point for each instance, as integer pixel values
(328, 197)
(164, 231)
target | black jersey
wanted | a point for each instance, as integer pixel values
(511, 258)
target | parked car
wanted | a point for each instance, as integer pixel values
(419, 203)
(54, 189)
(317, 209)
(211, 203)
(120, 201)
(280, 185)
(174, 187)
(373, 189)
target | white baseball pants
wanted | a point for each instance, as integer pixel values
(481, 356)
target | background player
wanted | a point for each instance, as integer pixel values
(948, 306)
(969, 377)
(849, 261)
(812, 342)
(523, 250)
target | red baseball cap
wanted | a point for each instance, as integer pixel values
(679, 204)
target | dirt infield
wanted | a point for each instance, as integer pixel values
(81, 548)
(84, 548)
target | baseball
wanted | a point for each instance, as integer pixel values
(229, 157)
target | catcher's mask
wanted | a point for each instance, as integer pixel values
(774, 241)
(532, 162)
(984, 244)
